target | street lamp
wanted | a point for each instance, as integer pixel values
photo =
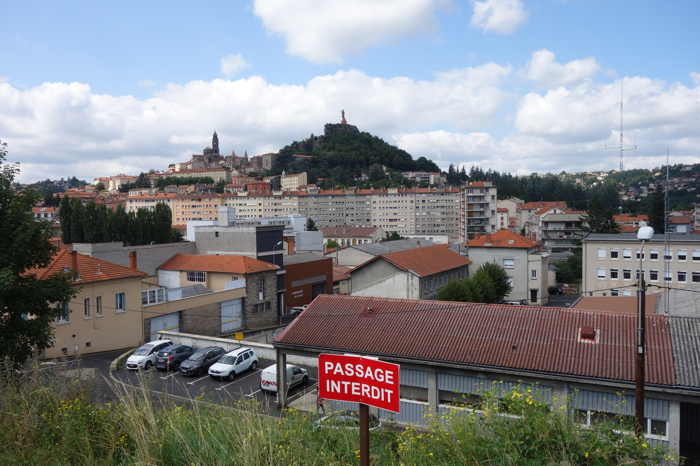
(645, 233)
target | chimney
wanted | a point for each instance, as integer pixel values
(588, 335)
(132, 261)
(74, 264)
(291, 244)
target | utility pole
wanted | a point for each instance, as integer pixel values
(639, 370)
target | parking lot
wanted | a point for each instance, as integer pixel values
(245, 387)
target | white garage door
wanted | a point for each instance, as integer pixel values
(170, 322)
(231, 315)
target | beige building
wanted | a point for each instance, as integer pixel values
(293, 181)
(524, 262)
(349, 236)
(216, 174)
(611, 263)
(105, 314)
(195, 207)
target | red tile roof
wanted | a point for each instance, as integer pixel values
(679, 220)
(347, 231)
(541, 205)
(501, 209)
(227, 263)
(502, 239)
(38, 210)
(90, 269)
(628, 218)
(423, 261)
(523, 338)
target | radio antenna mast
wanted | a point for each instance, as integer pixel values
(622, 147)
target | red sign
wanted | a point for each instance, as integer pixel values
(359, 380)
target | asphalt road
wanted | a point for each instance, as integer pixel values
(244, 389)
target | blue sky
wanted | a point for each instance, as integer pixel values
(89, 88)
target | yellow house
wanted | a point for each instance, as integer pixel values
(105, 314)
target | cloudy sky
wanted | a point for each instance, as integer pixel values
(96, 88)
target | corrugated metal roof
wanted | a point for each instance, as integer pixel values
(685, 335)
(532, 338)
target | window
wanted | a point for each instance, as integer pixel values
(199, 277)
(63, 316)
(696, 277)
(627, 274)
(636, 274)
(626, 293)
(268, 306)
(668, 276)
(627, 253)
(614, 274)
(653, 428)
(156, 295)
(668, 255)
(601, 253)
(98, 306)
(696, 255)
(639, 254)
(654, 254)
(682, 255)
(614, 254)
(533, 274)
(682, 276)
(654, 275)
(120, 302)
(601, 274)
(86, 308)
(508, 263)
(261, 288)
(614, 292)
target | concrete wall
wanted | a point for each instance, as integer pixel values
(519, 272)
(148, 257)
(229, 241)
(113, 330)
(430, 285)
(264, 318)
(350, 257)
(383, 279)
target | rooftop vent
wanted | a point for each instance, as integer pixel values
(588, 335)
(510, 241)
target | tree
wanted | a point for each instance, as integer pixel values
(100, 186)
(499, 277)
(456, 290)
(570, 270)
(27, 305)
(162, 224)
(311, 225)
(656, 211)
(599, 217)
(77, 221)
(392, 236)
(332, 244)
(65, 214)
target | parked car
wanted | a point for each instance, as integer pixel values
(346, 419)
(295, 376)
(233, 363)
(171, 357)
(145, 355)
(201, 360)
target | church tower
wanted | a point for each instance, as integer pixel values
(215, 144)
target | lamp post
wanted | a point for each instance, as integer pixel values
(645, 233)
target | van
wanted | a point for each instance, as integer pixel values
(295, 376)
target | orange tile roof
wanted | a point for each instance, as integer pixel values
(227, 263)
(679, 220)
(90, 269)
(616, 304)
(625, 218)
(541, 205)
(502, 239)
(423, 261)
(37, 210)
(341, 272)
(501, 209)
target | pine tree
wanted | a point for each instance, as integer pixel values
(90, 223)
(77, 221)
(24, 245)
(65, 214)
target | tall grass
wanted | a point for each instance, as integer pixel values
(59, 422)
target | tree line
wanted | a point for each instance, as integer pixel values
(96, 223)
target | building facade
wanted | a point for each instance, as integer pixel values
(562, 232)
(477, 212)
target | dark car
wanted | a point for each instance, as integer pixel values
(170, 358)
(200, 361)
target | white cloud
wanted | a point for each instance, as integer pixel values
(326, 31)
(231, 65)
(55, 128)
(499, 16)
(147, 83)
(544, 69)
(696, 78)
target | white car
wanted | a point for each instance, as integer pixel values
(295, 376)
(233, 363)
(145, 356)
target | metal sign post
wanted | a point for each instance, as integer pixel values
(364, 435)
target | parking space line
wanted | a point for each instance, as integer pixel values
(169, 376)
(251, 395)
(237, 380)
(198, 380)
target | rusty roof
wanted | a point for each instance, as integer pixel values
(227, 263)
(90, 269)
(616, 304)
(523, 338)
(422, 261)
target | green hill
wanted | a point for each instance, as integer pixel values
(344, 154)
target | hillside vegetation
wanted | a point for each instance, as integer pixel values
(344, 153)
(59, 422)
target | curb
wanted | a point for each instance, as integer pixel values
(116, 363)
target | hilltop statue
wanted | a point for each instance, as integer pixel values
(343, 121)
(215, 144)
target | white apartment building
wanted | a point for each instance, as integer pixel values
(477, 212)
(293, 181)
(611, 264)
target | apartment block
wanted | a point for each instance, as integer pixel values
(562, 232)
(293, 181)
(612, 263)
(477, 211)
